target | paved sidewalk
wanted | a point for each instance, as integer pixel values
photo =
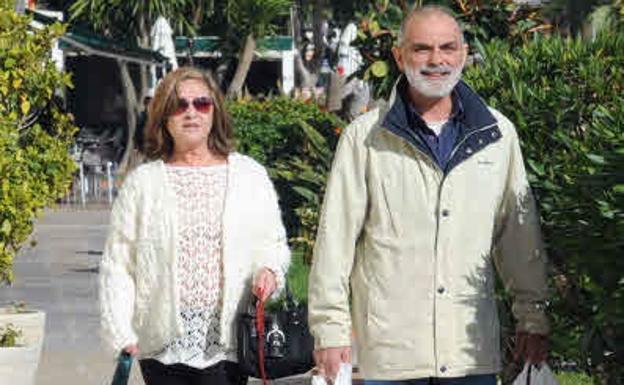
(59, 276)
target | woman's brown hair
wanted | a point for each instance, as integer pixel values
(158, 142)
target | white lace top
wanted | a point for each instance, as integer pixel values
(200, 196)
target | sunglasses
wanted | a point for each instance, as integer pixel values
(202, 105)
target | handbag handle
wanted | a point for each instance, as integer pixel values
(260, 331)
(289, 302)
(257, 309)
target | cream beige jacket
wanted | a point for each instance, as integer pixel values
(405, 254)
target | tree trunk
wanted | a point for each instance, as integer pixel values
(318, 19)
(198, 15)
(296, 23)
(144, 70)
(244, 63)
(404, 6)
(334, 92)
(130, 97)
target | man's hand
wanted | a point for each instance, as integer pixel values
(532, 348)
(328, 360)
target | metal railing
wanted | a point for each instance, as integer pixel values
(93, 185)
(97, 180)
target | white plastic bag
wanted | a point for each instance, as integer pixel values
(536, 375)
(342, 378)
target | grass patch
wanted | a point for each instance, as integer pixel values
(298, 276)
(297, 282)
(573, 378)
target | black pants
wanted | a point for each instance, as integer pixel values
(223, 373)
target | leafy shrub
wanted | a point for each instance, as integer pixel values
(284, 134)
(305, 177)
(9, 336)
(566, 97)
(268, 129)
(35, 168)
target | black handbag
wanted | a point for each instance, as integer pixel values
(285, 340)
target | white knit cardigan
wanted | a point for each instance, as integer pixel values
(139, 292)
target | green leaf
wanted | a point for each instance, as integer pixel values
(536, 167)
(305, 193)
(598, 159)
(318, 141)
(25, 106)
(374, 28)
(6, 227)
(380, 69)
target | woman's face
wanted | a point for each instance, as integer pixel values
(190, 123)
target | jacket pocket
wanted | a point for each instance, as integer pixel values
(387, 322)
(391, 327)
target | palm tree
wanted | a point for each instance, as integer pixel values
(253, 19)
(130, 21)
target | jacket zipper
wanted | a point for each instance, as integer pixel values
(437, 211)
(444, 175)
(438, 171)
(437, 235)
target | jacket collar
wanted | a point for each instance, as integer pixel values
(478, 125)
(416, 122)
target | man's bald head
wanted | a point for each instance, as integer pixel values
(431, 51)
(426, 12)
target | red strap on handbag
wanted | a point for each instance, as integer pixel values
(260, 330)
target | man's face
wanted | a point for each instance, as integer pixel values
(432, 55)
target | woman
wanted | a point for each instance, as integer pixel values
(191, 233)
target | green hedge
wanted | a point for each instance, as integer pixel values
(295, 141)
(566, 97)
(35, 167)
(270, 129)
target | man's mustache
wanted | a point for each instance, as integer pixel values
(440, 69)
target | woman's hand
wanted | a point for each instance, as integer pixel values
(264, 284)
(133, 350)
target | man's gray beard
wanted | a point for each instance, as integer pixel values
(435, 88)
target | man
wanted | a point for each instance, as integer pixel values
(137, 155)
(139, 133)
(425, 196)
